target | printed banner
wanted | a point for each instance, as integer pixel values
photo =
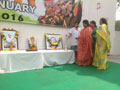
(53, 12)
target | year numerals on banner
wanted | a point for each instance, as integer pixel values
(13, 17)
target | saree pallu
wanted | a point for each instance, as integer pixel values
(100, 56)
(84, 55)
(94, 37)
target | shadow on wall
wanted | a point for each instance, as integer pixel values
(116, 43)
(117, 25)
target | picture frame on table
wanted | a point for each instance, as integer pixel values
(54, 38)
(10, 36)
(32, 44)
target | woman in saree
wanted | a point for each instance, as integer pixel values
(94, 36)
(102, 46)
(85, 45)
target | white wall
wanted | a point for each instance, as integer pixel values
(108, 9)
(27, 30)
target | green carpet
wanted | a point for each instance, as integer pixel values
(65, 77)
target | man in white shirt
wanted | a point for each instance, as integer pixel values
(74, 33)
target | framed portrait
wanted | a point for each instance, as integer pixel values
(9, 40)
(53, 41)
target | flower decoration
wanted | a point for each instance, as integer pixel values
(52, 43)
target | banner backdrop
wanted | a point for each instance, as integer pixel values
(53, 12)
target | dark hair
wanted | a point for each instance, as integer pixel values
(93, 22)
(86, 22)
(104, 21)
(76, 22)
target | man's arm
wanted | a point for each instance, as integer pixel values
(70, 35)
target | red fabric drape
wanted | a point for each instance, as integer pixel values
(84, 55)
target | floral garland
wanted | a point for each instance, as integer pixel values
(54, 44)
(4, 38)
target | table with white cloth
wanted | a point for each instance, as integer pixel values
(14, 61)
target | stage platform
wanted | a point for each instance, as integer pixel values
(22, 60)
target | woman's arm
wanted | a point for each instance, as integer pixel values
(99, 41)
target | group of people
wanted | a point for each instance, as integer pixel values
(59, 13)
(91, 44)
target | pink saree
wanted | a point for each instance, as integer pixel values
(85, 47)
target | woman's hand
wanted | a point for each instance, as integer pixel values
(76, 38)
(108, 51)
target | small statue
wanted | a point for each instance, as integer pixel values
(32, 44)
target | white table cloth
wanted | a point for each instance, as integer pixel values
(59, 57)
(21, 60)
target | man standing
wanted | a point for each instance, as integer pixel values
(74, 33)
